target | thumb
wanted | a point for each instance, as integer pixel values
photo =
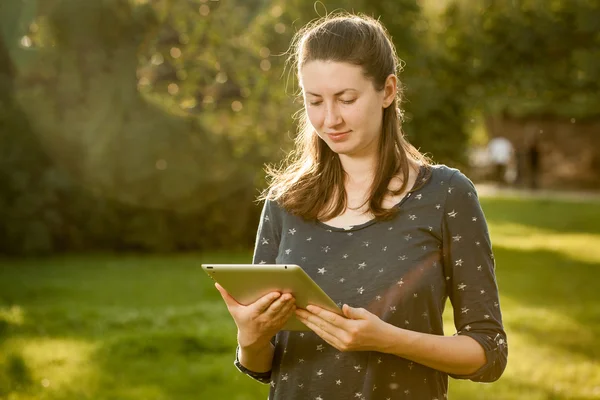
(230, 301)
(354, 313)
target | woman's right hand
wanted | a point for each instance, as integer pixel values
(258, 322)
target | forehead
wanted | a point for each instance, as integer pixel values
(328, 77)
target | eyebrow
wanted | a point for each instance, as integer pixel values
(335, 94)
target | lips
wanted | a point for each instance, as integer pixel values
(337, 136)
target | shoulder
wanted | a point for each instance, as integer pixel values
(450, 179)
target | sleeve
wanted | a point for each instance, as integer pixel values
(266, 248)
(268, 235)
(470, 275)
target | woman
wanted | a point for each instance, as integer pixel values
(384, 233)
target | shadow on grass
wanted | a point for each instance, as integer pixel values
(561, 217)
(556, 284)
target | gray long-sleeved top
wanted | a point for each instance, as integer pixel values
(402, 270)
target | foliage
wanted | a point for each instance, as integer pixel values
(528, 57)
(145, 125)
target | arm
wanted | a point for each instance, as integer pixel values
(258, 357)
(455, 355)
(478, 351)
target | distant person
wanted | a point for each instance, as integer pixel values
(533, 158)
(387, 235)
(501, 152)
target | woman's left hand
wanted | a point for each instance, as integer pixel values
(358, 330)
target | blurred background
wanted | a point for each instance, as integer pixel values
(133, 137)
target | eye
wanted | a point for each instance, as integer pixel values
(315, 103)
(348, 101)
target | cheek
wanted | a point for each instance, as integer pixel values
(315, 117)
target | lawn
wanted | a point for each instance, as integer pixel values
(153, 327)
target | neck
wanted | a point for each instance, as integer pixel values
(359, 170)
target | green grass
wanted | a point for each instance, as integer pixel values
(153, 327)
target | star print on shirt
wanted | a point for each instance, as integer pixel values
(412, 217)
(338, 382)
(292, 231)
(322, 271)
(452, 214)
(265, 241)
(360, 290)
(362, 265)
(288, 251)
(345, 256)
(320, 373)
(462, 286)
(320, 347)
(458, 262)
(357, 368)
(456, 238)
(326, 249)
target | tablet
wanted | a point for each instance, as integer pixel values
(248, 282)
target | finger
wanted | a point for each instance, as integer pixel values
(229, 301)
(354, 313)
(326, 336)
(276, 307)
(328, 316)
(322, 324)
(262, 304)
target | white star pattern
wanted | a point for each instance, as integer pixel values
(389, 254)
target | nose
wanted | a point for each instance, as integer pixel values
(332, 116)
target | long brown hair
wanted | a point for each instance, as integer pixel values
(310, 182)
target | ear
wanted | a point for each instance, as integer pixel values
(390, 90)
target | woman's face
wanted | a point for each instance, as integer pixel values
(343, 106)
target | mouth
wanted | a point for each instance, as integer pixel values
(338, 135)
